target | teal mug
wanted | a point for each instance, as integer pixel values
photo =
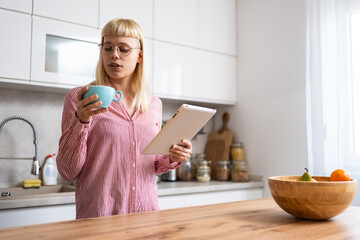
(105, 94)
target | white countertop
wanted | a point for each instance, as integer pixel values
(178, 187)
(164, 189)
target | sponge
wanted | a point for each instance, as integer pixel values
(32, 183)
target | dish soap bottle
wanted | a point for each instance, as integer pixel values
(50, 171)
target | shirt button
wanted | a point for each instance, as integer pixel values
(133, 188)
(133, 165)
(131, 123)
(133, 143)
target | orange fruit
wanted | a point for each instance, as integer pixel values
(340, 175)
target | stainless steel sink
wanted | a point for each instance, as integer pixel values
(37, 197)
(21, 192)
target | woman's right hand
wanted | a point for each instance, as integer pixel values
(84, 111)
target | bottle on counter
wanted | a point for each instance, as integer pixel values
(49, 173)
(186, 172)
(203, 174)
(239, 171)
(237, 151)
(199, 157)
(223, 170)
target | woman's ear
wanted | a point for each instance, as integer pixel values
(140, 58)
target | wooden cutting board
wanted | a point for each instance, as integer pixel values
(218, 145)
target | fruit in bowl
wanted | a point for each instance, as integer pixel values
(317, 200)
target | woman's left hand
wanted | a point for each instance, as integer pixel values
(180, 153)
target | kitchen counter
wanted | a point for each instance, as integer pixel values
(164, 189)
(255, 219)
(177, 188)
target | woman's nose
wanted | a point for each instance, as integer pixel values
(115, 53)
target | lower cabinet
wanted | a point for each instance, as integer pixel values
(64, 212)
(196, 199)
(36, 215)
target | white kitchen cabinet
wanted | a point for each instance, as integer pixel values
(36, 215)
(80, 11)
(15, 45)
(63, 54)
(18, 5)
(149, 59)
(197, 199)
(140, 11)
(176, 21)
(192, 74)
(217, 26)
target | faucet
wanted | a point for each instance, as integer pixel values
(35, 169)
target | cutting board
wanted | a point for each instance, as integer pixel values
(218, 145)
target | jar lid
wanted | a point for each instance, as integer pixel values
(223, 162)
(200, 156)
(203, 163)
(238, 144)
(202, 167)
(205, 170)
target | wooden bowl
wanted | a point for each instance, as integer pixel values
(312, 200)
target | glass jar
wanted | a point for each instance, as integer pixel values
(237, 151)
(223, 170)
(198, 160)
(185, 173)
(203, 174)
(239, 171)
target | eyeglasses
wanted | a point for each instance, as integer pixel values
(123, 49)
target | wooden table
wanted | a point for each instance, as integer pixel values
(255, 219)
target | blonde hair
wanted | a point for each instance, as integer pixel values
(127, 28)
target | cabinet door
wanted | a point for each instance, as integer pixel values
(217, 25)
(80, 11)
(195, 75)
(15, 45)
(18, 5)
(37, 215)
(140, 11)
(63, 54)
(149, 59)
(176, 21)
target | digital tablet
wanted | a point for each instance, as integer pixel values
(185, 124)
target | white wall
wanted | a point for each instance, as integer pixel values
(270, 114)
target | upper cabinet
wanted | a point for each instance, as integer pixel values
(191, 44)
(192, 74)
(176, 21)
(83, 12)
(63, 54)
(217, 26)
(15, 45)
(139, 10)
(18, 5)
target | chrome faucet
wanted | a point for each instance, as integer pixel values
(35, 169)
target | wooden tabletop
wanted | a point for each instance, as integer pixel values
(255, 219)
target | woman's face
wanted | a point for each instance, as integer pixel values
(120, 56)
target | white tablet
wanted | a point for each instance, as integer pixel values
(185, 124)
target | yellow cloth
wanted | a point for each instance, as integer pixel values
(32, 183)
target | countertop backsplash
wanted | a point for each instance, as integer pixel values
(44, 110)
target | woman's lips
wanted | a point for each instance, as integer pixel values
(115, 66)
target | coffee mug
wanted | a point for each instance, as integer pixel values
(105, 94)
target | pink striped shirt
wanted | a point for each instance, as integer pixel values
(104, 156)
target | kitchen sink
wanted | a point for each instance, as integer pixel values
(18, 197)
(21, 192)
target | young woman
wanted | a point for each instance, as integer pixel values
(101, 148)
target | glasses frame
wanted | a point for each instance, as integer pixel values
(118, 49)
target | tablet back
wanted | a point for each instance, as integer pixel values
(185, 124)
